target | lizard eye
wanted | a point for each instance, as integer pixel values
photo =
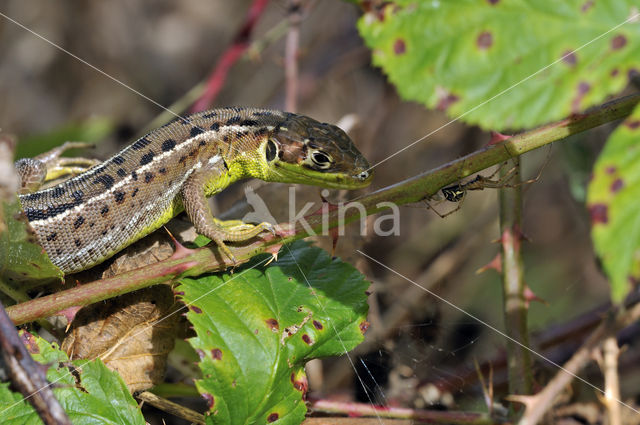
(321, 159)
(271, 151)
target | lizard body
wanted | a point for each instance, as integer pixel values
(87, 219)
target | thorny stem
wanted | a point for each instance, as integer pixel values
(408, 191)
(539, 404)
(513, 286)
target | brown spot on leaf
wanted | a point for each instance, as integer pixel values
(273, 324)
(485, 40)
(586, 6)
(583, 89)
(632, 124)
(493, 2)
(195, 309)
(610, 169)
(399, 47)
(614, 72)
(598, 214)
(30, 342)
(216, 354)
(301, 384)
(446, 100)
(569, 58)
(317, 325)
(209, 399)
(617, 185)
(618, 42)
(307, 339)
(273, 417)
(364, 326)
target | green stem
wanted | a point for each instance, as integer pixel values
(412, 190)
(513, 285)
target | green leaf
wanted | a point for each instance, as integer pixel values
(257, 328)
(612, 200)
(456, 55)
(99, 397)
(21, 257)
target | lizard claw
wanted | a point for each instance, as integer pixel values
(269, 228)
(226, 251)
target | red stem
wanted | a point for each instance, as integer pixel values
(238, 46)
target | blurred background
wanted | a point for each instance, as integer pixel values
(418, 351)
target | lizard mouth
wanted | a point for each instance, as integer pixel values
(295, 174)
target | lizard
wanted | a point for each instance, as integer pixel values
(87, 219)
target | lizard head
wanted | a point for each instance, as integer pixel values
(303, 150)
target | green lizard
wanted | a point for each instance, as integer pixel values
(87, 219)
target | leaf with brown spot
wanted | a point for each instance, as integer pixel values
(254, 376)
(612, 201)
(531, 60)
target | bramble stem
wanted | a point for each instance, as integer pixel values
(513, 285)
(412, 190)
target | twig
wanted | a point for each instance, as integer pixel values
(558, 343)
(409, 191)
(539, 404)
(27, 375)
(238, 46)
(171, 407)
(431, 416)
(513, 286)
(294, 13)
(336, 420)
(609, 366)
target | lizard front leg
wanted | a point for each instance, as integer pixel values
(34, 172)
(197, 208)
